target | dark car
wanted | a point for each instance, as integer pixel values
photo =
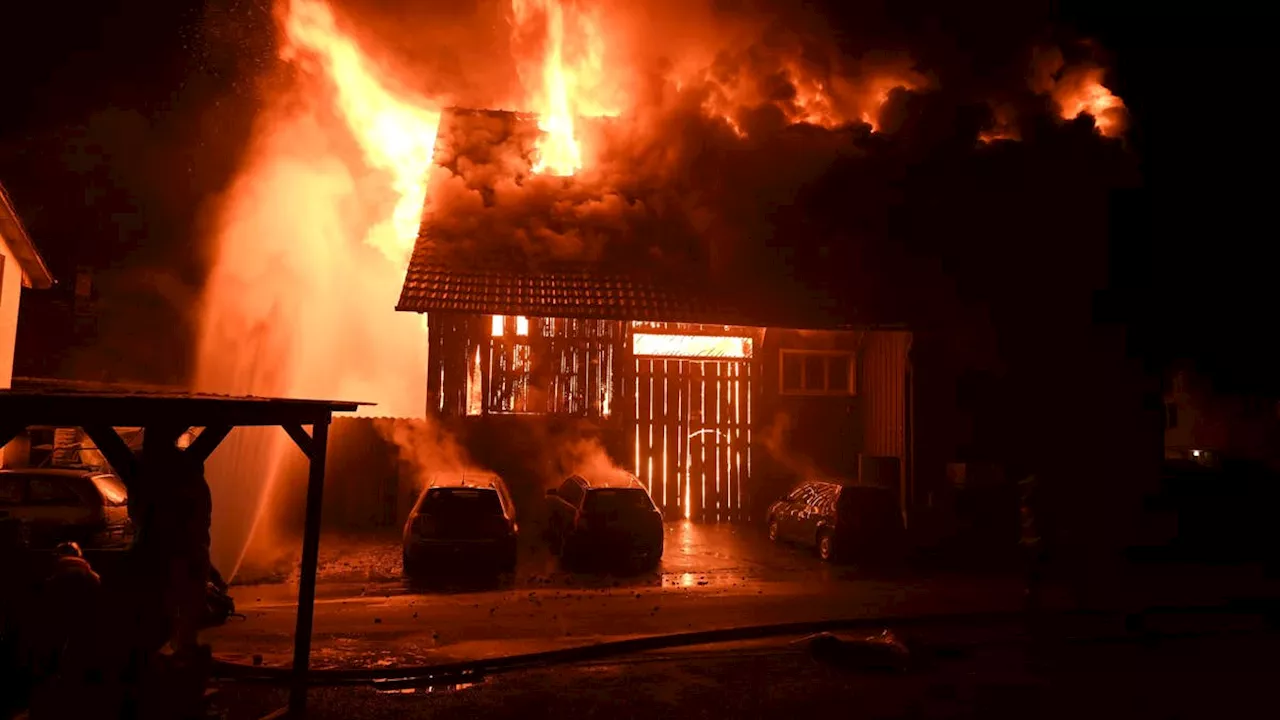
(605, 515)
(461, 520)
(840, 521)
(55, 505)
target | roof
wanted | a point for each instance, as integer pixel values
(127, 406)
(505, 284)
(34, 272)
(465, 478)
(612, 478)
(478, 275)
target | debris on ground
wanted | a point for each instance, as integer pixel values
(882, 651)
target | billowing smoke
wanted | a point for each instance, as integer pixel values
(776, 439)
(425, 446)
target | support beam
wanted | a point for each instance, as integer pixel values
(300, 437)
(318, 444)
(206, 442)
(116, 451)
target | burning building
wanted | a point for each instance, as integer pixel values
(715, 396)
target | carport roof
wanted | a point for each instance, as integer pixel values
(70, 404)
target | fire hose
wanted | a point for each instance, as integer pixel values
(452, 673)
(474, 670)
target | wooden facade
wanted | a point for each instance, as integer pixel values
(682, 405)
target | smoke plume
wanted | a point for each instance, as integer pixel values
(424, 446)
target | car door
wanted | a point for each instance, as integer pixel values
(789, 518)
(564, 504)
(809, 513)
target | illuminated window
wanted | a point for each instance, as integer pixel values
(522, 325)
(691, 346)
(498, 322)
(814, 372)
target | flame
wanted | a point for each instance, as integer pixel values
(395, 135)
(568, 80)
(1082, 92)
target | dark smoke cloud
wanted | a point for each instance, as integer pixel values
(670, 189)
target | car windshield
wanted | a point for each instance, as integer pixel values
(112, 489)
(614, 499)
(464, 502)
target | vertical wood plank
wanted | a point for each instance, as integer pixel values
(658, 389)
(644, 383)
(697, 386)
(673, 430)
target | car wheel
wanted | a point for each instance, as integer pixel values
(773, 529)
(826, 546)
(406, 565)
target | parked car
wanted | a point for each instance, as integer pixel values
(56, 505)
(606, 515)
(840, 521)
(461, 519)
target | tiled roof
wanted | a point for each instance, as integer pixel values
(507, 286)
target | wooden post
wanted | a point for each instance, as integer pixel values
(315, 450)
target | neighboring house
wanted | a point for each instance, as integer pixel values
(1204, 425)
(715, 402)
(20, 266)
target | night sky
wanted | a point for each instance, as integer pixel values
(122, 119)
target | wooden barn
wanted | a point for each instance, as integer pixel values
(715, 403)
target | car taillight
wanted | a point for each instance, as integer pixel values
(423, 524)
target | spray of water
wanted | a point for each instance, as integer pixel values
(310, 249)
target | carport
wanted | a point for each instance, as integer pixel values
(98, 413)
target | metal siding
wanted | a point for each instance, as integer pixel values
(883, 389)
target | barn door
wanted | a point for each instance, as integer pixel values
(693, 435)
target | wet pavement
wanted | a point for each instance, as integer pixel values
(711, 576)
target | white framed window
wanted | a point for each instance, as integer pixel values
(817, 372)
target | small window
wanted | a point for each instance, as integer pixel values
(51, 491)
(815, 373)
(792, 371)
(812, 372)
(838, 378)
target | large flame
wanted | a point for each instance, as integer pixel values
(564, 79)
(311, 244)
(395, 134)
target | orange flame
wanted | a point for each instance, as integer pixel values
(568, 79)
(395, 135)
(1082, 92)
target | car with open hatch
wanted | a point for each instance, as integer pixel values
(604, 515)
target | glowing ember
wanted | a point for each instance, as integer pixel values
(395, 135)
(1082, 92)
